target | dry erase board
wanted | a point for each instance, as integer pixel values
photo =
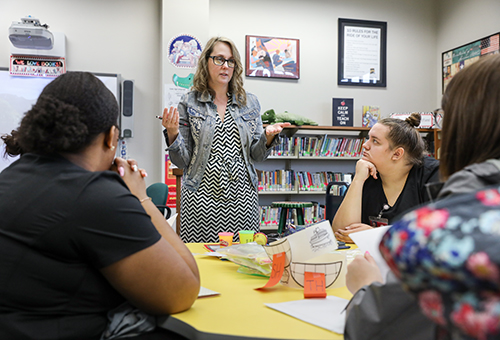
(18, 94)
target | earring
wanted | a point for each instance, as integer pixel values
(112, 148)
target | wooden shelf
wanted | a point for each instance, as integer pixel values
(335, 128)
(290, 131)
(278, 192)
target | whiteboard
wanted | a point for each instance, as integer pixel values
(18, 94)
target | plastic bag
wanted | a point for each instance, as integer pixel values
(251, 255)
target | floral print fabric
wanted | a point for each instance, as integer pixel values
(448, 254)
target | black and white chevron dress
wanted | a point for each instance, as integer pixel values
(226, 201)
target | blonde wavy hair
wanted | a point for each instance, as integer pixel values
(201, 77)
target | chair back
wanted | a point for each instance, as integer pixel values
(159, 194)
(335, 192)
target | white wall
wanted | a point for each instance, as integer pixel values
(108, 36)
(125, 36)
(181, 17)
(411, 62)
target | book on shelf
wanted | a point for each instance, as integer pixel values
(337, 190)
(371, 115)
(285, 148)
(269, 216)
(321, 144)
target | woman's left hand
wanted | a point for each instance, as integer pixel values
(275, 129)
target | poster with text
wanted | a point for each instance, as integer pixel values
(342, 112)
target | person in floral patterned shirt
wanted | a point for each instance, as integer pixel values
(446, 253)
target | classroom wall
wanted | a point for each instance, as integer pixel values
(461, 22)
(125, 36)
(411, 50)
(108, 36)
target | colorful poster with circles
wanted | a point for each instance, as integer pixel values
(184, 51)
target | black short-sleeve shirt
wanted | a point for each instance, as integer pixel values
(59, 225)
(414, 192)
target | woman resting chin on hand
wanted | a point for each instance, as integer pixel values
(390, 177)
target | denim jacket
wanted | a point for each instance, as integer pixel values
(197, 118)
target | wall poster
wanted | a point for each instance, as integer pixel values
(456, 59)
(271, 57)
(362, 53)
(184, 51)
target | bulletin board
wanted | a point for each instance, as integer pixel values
(456, 59)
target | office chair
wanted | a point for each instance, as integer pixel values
(334, 198)
(159, 193)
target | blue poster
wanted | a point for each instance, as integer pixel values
(342, 112)
(184, 51)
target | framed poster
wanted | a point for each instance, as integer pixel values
(456, 59)
(272, 57)
(342, 112)
(362, 58)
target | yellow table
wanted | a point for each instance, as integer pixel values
(240, 309)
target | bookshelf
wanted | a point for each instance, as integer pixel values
(298, 162)
(293, 129)
(309, 163)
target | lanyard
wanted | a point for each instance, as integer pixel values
(384, 208)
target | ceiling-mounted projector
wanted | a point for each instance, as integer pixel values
(29, 33)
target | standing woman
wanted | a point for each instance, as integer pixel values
(390, 177)
(215, 136)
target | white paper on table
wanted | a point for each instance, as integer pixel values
(313, 241)
(207, 292)
(325, 313)
(214, 254)
(368, 241)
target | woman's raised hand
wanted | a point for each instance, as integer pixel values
(170, 121)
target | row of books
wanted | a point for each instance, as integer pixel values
(269, 216)
(338, 190)
(318, 181)
(324, 146)
(290, 180)
(277, 180)
(286, 148)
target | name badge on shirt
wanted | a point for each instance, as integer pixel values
(376, 221)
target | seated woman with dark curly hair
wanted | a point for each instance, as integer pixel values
(79, 236)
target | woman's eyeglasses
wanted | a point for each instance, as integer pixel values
(219, 61)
